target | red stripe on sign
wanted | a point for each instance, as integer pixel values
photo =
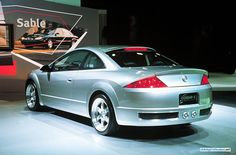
(8, 70)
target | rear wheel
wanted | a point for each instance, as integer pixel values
(103, 116)
(31, 96)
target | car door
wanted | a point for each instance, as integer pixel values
(60, 79)
(83, 82)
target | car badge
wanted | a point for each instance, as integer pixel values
(184, 78)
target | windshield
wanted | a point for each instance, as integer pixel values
(139, 58)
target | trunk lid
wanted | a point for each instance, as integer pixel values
(172, 76)
(181, 77)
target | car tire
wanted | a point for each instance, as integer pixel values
(50, 44)
(31, 97)
(103, 116)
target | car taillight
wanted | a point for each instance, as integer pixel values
(204, 80)
(149, 82)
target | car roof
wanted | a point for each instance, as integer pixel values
(108, 48)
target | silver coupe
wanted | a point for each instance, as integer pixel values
(121, 85)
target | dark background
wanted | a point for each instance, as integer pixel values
(196, 34)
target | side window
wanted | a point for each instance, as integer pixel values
(71, 61)
(93, 62)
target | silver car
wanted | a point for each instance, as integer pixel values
(118, 85)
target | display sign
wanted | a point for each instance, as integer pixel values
(53, 27)
(44, 30)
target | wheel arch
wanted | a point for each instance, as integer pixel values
(106, 89)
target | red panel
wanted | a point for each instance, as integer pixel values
(8, 70)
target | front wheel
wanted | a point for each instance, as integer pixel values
(31, 96)
(103, 116)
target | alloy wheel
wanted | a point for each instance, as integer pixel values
(100, 114)
(31, 97)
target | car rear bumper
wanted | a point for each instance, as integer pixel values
(161, 107)
(162, 117)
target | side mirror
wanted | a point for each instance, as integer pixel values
(45, 68)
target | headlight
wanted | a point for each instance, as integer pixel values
(38, 38)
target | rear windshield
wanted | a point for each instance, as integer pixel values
(139, 58)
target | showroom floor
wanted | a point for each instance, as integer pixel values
(53, 132)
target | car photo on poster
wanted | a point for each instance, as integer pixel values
(121, 85)
(49, 38)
